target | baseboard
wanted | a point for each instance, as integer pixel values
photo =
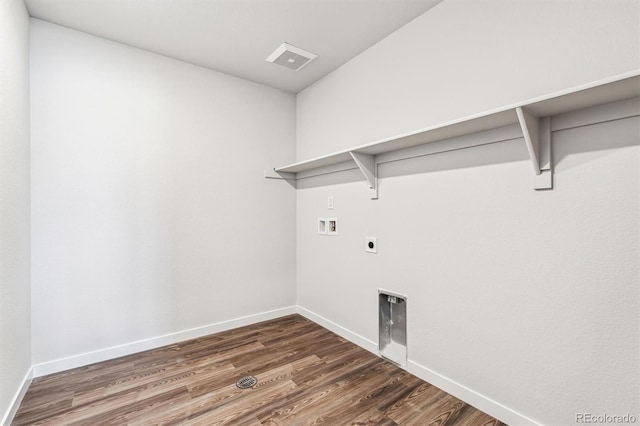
(471, 397)
(105, 354)
(363, 342)
(17, 399)
(461, 392)
(465, 394)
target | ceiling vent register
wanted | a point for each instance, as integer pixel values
(291, 57)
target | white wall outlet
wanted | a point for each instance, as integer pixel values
(322, 226)
(330, 202)
(370, 245)
(332, 226)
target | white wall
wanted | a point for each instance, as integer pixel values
(15, 305)
(528, 299)
(150, 211)
(465, 57)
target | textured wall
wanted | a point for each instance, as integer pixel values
(15, 305)
(465, 57)
(529, 299)
(151, 214)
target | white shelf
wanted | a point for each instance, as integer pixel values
(601, 92)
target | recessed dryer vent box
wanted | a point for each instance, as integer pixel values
(392, 327)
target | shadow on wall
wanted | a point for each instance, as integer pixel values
(595, 138)
(334, 178)
(477, 156)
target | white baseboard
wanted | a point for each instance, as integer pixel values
(154, 342)
(461, 392)
(465, 394)
(363, 342)
(471, 397)
(17, 399)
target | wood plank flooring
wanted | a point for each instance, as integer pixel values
(306, 375)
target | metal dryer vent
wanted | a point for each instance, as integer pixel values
(291, 57)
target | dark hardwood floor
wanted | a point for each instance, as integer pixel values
(306, 375)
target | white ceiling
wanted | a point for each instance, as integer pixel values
(235, 36)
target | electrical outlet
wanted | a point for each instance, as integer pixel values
(371, 245)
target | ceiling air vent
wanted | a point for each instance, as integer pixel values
(291, 57)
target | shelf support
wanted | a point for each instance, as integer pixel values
(290, 178)
(537, 137)
(369, 168)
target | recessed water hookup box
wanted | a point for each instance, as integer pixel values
(392, 327)
(332, 226)
(322, 226)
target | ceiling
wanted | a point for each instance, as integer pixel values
(235, 36)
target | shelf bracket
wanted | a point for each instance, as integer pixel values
(537, 137)
(369, 168)
(290, 178)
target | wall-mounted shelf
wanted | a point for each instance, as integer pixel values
(531, 116)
